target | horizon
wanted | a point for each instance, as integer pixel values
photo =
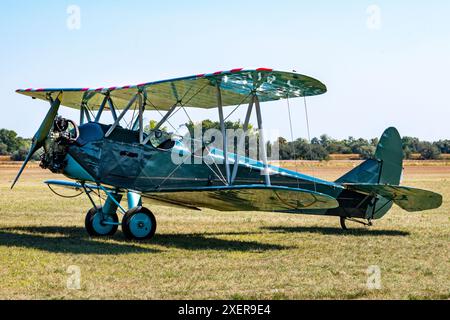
(384, 64)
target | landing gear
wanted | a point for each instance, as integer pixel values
(139, 224)
(99, 224)
(343, 221)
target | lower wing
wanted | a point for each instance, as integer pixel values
(232, 198)
(246, 198)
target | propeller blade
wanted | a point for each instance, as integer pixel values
(47, 124)
(27, 159)
(41, 134)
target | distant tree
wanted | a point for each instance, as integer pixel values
(325, 140)
(374, 142)
(411, 143)
(12, 141)
(318, 152)
(407, 153)
(3, 149)
(282, 141)
(316, 141)
(366, 152)
(428, 151)
(209, 124)
(301, 149)
(443, 146)
(19, 155)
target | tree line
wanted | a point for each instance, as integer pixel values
(322, 147)
(319, 148)
(14, 146)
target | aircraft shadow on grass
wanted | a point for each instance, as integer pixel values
(75, 241)
(338, 231)
(63, 240)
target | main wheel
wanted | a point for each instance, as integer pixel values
(96, 226)
(139, 224)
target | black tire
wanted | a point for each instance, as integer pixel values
(95, 229)
(139, 224)
(343, 225)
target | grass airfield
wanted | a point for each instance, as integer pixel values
(214, 255)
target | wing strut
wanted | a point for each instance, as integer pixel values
(224, 134)
(163, 120)
(241, 143)
(262, 142)
(116, 123)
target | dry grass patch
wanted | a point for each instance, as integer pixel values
(206, 255)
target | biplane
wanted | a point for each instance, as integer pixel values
(110, 162)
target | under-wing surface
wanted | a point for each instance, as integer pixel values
(139, 163)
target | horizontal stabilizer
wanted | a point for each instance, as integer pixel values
(409, 199)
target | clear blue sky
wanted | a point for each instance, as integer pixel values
(393, 75)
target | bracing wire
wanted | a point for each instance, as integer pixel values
(238, 106)
(292, 138)
(130, 125)
(215, 164)
(309, 138)
(182, 106)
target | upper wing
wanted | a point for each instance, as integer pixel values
(195, 91)
(246, 198)
(409, 199)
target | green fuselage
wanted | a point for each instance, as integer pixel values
(122, 162)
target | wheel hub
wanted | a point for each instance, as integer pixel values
(140, 225)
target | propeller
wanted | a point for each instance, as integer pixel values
(41, 135)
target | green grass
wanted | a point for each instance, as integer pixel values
(208, 255)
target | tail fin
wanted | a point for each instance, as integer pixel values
(385, 168)
(379, 178)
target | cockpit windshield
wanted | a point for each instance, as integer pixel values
(161, 139)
